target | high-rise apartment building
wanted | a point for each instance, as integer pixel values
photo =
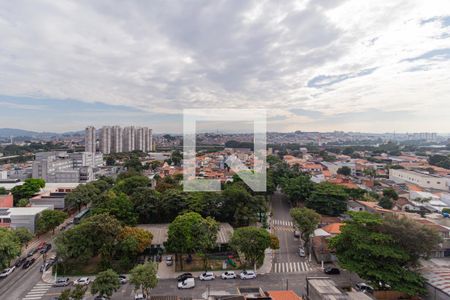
(148, 139)
(139, 140)
(90, 139)
(129, 138)
(105, 140)
(116, 139)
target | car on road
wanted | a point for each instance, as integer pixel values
(123, 279)
(297, 234)
(188, 283)
(207, 276)
(301, 252)
(98, 297)
(247, 274)
(32, 252)
(139, 296)
(169, 260)
(364, 287)
(45, 248)
(28, 263)
(184, 276)
(7, 271)
(82, 281)
(62, 282)
(331, 271)
(20, 262)
(228, 275)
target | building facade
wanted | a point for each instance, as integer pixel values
(116, 139)
(420, 179)
(90, 139)
(105, 140)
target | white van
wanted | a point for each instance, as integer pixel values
(188, 283)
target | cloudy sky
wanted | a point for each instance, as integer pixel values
(320, 65)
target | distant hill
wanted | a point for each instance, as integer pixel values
(14, 132)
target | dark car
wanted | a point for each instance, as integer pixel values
(28, 263)
(46, 248)
(20, 262)
(184, 276)
(332, 271)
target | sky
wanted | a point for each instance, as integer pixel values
(319, 65)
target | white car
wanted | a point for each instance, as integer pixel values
(188, 283)
(228, 275)
(247, 274)
(139, 296)
(82, 281)
(207, 276)
(7, 271)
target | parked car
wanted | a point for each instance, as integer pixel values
(28, 263)
(62, 282)
(82, 281)
(98, 297)
(297, 234)
(123, 279)
(20, 262)
(207, 276)
(228, 275)
(43, 267)
(364, 287)
(188, 283)
(7, 271)
(184, 276)
(45, 248)
(41, 245)
(139, 296)
(331, 271)
(169, 260)
(247, 274)
(301, 252)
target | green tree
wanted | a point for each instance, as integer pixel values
(306, 220)
(82, 195)
(9, 247)
(23, 234)
(133, 164)
(30, 187)
(144, 277)
(191, 233)
(78, 293)
(390, 193)
(110, 161)
(49, 220)
(346, 171)
(129, 185)
(251, 242)
(65, 295)
(106, 283)
(274, 242)
(147, 204)
(117, 205)
(298, 189)
(328, 199)
(173, 202)
(3, 191)
(386, 202)
(23, 202)
(384, 251)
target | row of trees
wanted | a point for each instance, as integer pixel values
(131, 200)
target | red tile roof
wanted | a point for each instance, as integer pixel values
(284, 295)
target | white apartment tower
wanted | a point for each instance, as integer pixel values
(105, 140)
(148, 138)
(89, 139)
(116, 139)
(129, 139)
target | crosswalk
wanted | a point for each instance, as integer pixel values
(291, 267)
(37, 292)
(283, 228)
(283, 223)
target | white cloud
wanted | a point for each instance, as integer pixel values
(162, 56)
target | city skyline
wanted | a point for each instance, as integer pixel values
(305, 61)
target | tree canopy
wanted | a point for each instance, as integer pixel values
(298, 189)
(49, 220)
(328, 199)
(384, 250)
(144, 277)
(252, 242)
(306, 220)
(9, 247)
(105, 283)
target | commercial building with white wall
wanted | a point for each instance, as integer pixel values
(423, 180)
(21, 217)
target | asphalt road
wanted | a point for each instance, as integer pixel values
(271, 281)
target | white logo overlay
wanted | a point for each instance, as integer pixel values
(254, 177)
